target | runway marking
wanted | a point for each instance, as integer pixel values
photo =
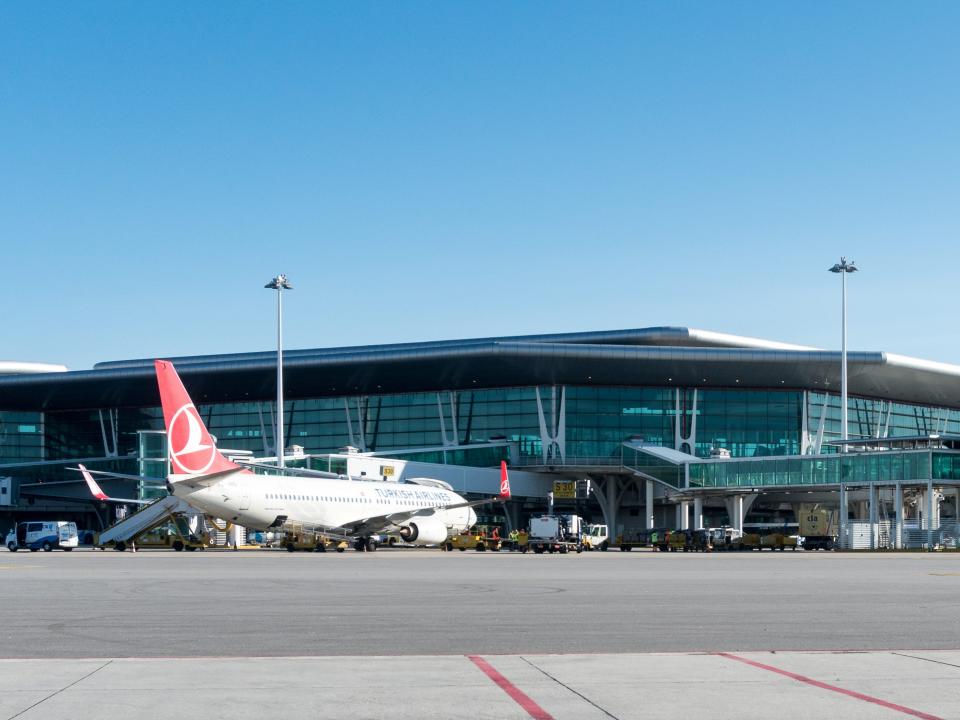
(945, 574)
(521, 698)
(832, 688)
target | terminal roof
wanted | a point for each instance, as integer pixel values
(662, 356)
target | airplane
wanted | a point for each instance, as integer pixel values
(418, 509)
(101, 495)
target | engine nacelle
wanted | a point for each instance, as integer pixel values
(427, 531)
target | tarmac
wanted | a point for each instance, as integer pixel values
(426, 634)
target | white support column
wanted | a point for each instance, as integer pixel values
(648, 506)
(685, 515)
(698, 513)
(898, 509)
(872, 510)
(608, 495)
(553, 439)
(928, 510)
(842, 540)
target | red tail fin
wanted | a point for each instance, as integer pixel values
(192, 450)
(92, 484)
(504, 480)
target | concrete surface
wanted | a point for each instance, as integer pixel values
(584, 687)
(402, 602)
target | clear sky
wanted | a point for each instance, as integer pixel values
(432, 170)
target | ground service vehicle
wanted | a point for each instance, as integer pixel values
(818, 527)
(480, 538)
(556, 533)
(43, 535)
(725, 538)
(678, 541)
(596, 537)
(778, 541)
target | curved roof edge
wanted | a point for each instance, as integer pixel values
(652, 336)
(14, 367)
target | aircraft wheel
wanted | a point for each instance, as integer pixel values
(178, 545)
(372, 545)
(120, 546)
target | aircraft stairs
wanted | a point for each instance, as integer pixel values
(147, 518)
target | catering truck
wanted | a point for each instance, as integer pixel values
(43, 535)
(556, 533)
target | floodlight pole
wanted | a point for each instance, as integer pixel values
(279, 283)
(843, 267)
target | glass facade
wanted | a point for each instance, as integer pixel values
(21, 437)
(888, 466)
(748, 423)
(868, 418)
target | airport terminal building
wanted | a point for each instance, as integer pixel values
(673, 427)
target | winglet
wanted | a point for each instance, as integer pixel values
(190, 446)
(92, 484)
(504, 481)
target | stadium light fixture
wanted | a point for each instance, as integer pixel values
(842, 268)
(279, 283)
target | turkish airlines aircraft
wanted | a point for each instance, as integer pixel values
(419, 509)
(101, 495)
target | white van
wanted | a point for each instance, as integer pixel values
(43, 535)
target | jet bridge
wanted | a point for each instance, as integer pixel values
(147, 518)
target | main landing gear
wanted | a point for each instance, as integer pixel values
(365, 544)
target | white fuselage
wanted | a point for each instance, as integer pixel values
(256, 501)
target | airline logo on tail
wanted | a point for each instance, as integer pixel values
(185, 436)
(504, 480)
(192, 450)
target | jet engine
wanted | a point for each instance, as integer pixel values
(427, 531)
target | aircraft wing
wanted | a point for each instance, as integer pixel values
(121, 476)
(102, 496)
(295, 472)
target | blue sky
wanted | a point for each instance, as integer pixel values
(438, 170)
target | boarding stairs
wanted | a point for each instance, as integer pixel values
(148, 517)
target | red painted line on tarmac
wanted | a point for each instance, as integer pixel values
(833, 688)
(521, 698)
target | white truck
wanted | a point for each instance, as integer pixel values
(596, 537)
(43, 535)
(556, 533)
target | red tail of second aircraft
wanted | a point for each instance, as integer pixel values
(192, 450)
(504, 481)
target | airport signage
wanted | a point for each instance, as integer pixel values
(565, 489)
